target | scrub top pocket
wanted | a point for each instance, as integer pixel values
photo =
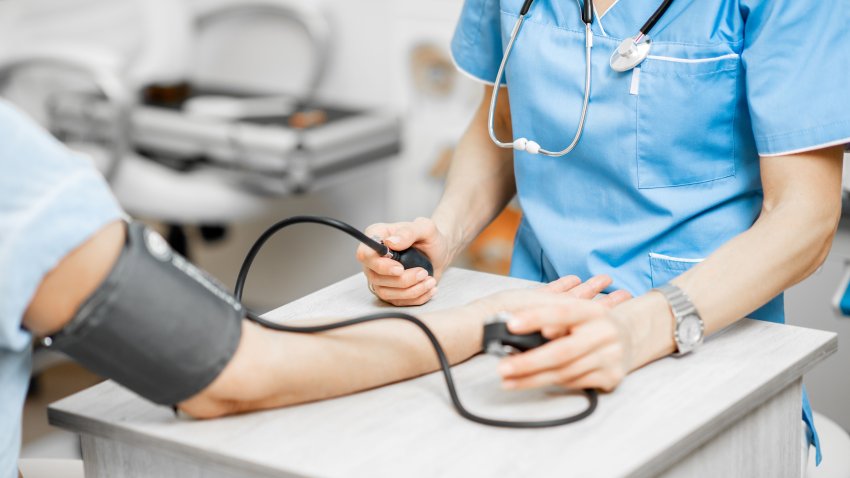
(663, 268)
(685, 119)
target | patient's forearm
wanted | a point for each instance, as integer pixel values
(275, 369)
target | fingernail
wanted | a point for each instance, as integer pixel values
(392, 239)
(505, 368)
(397, 270)
(509, 384)
(421, 274)
(431, 283)
(434, 291)
(514, 324)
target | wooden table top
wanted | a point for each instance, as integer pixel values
(657, 416)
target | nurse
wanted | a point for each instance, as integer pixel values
(711, 171)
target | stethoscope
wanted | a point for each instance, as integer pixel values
(629, 54)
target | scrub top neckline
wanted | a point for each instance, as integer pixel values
(600, 16)
(624, 21)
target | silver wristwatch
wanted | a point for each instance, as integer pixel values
(690, 329)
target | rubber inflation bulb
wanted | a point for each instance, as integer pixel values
(412, 257)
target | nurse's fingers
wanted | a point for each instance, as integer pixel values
(371, 259)
(383, 265)
(605, 379)
(391, 294)
(384, 286)
(405, 234)
(408, 278)
(564, 314)
(615, 298)
(376, 231)
(605, 362)
(581, 367)
(415, 301)
(552, 332)
(553, 355)
(402, 235)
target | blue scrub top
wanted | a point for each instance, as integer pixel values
(667, 169)
(51, 201)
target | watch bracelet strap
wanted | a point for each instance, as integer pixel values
(681, 306)
(679, 302)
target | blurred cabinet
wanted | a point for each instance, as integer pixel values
(393, 54)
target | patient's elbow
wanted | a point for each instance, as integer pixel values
(204, 406)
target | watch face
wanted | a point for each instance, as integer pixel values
(689, 330)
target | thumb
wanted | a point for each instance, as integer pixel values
(401, 237)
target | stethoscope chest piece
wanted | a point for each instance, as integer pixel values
(630, 54)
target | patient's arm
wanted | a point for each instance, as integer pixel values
(272, 369)
(73, 280)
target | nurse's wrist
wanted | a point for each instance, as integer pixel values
(451, 231)
(648, 321)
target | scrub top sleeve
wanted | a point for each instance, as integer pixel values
(52, 201)
(797, 67)
(477, 43)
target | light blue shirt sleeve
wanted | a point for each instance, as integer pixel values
(51, 201)
(797, 66)
(477, 42)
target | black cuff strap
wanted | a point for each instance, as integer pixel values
(157, 325)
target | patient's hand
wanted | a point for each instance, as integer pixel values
(553, 293)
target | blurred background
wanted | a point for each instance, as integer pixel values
(212, 119)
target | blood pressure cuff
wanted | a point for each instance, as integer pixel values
(157, 325)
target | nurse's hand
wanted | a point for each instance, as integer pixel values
(588, 348)
(388, 279)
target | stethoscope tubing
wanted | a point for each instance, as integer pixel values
(656, 15)
(522, 143)
(532, 147)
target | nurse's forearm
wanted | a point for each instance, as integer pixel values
(480, 181)
(274, 369)
(789, 241)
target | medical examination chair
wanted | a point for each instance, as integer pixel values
(175, 149)
(116, 80)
